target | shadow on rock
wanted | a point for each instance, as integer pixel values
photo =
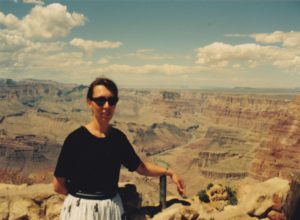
(153, 210)
(132, 202)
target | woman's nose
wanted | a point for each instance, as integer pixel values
(106, 105)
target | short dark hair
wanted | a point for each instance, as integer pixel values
(107, 83)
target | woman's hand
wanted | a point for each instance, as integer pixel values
(149, 169)
(178, 182)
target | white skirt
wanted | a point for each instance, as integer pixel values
(86, 209)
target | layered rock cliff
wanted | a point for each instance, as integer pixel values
(27, 158)
(268, 127)
(279, 154)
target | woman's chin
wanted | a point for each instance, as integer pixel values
(105, 118)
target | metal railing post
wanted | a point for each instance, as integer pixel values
(163, 191)
(163, 185)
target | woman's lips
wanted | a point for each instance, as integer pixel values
(106, 114)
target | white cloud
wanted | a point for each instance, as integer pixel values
(166, 69)
(70, 60)
(44, 22)
(218, 53)
(236, 66)
(36, 2)
(17, 51)
(252, 64)
(251, 55)
(8, 20)
(10, 41)
(288, 39)
(89, 46)
(103, 61)
(65, 65)
(13, 42)
(40, 47)
(236, 35)
(291, 65)
(149, 54)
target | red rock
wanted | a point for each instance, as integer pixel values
(279, 155)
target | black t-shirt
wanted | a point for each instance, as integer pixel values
(93, 164)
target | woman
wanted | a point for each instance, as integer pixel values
(89, 164)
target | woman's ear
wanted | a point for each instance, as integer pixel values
(89, 103)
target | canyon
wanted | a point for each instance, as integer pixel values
(207, 135)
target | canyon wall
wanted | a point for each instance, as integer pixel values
(279, 154)
(258, 131)
(262, 129)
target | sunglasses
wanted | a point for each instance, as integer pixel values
(100, 101)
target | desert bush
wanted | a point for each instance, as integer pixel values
(203, 196)
(209, 186)
(232, 199)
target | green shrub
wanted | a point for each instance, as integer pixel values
(232, 199)
(203, 196)
(209, 186)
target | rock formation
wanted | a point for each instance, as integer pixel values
(160, 137)
(279, 154)
(261, 201)
(19, 154)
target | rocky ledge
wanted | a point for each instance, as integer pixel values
(263, 200)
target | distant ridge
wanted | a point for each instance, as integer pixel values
(11, 82)
(272, 90)
(7, 82)
(79, 87)
(253, 90)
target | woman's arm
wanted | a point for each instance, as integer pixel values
(150, 169)
(59, 185)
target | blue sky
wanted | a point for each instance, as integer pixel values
(153, 44)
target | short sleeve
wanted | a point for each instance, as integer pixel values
(63, 166)
(129, 158)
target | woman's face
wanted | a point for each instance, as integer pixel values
(102, 112)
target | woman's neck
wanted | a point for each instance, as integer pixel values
(100, 129)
